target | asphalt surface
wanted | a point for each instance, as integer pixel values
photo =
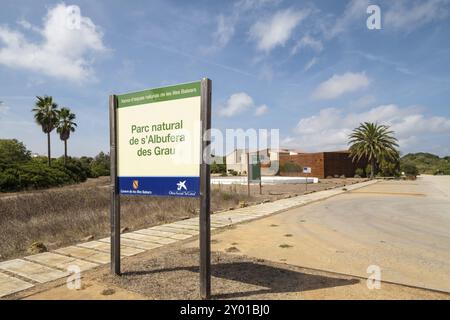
(403, 227)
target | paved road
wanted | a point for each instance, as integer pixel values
(401, 226)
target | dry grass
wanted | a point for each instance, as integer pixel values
(65, 216)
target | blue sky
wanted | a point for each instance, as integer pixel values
(312, 69)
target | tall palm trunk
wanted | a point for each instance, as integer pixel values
(48, 149)
(65, 152)
(372, 172)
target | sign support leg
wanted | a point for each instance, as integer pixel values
(115, 197)
(205, 193)
(248, 172)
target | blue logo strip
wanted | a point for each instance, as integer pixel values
(160, 186)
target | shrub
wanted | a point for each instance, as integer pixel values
(12, 152)
(409, 169)
(360, 172)
(9, 180)
(368, 170)
(390, 168)
(218, 168)
(290, 167)
(18, 171)
(74, 168)
(100, 165)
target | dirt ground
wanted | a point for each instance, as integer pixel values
(171, 272)
(64, 216)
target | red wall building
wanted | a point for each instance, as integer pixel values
(322, 164)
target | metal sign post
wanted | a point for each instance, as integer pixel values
(248, 174)
(205, 193)
(253, 171)
(115, 196)
(307, 171)
(260, 178)
(145, 162)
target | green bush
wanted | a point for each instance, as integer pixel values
(100, 165)
(9, 180)
(218, 168)
(291, 167)
(368, 170)
(18, 171)
(410, 169)
(33, 175)
(12, 152)
(443, 169)
(427, 163)
(360, 172)
(390, 168)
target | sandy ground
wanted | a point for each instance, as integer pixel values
(285, 256)
(172, 273)
(401, 226)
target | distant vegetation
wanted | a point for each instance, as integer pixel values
(20, 171)
(218, 166)
(426, 163)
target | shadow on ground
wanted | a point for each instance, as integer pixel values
(268, 278)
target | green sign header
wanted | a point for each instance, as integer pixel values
(180, 91)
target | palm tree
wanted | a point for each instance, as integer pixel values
(373, 142)
(66, 125)
(46, 115)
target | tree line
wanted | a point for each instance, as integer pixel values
(19, 170)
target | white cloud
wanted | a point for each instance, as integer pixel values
(64, 52)
(407, 15)
(226, 24)
(276, 31)
(305, 42)
(363, 102)
(245, 5)
(224, 31)
(338, 85)
(261, 110)
(354, 10)
(238, 103)
(329, 129)
(310, 64)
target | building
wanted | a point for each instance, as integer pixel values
(237, 160)
(322, 164)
